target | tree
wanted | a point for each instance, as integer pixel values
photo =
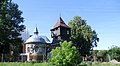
(114, 53)
(102, 55)
(66, 55)
(11, 24)
(82, 35)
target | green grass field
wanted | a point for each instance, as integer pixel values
(99, 64)
(46, 64)
(22, 64)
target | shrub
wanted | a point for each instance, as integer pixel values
(66, 55)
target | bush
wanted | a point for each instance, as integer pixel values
(66, 55)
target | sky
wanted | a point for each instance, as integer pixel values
(102, 15)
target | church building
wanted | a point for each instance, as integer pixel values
(37, 48)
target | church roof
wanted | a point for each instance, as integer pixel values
(61, 23)
(36, 38)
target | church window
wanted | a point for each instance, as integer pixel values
(28, 49)
(36, 48)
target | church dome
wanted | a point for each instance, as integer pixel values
(35, 38)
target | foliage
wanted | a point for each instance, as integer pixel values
(102, 55)
(82, 35)
(107, 55)
(94, 52)
(114, 52)
(10, 26)
(66, 55)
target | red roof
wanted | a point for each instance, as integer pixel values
(61, 23)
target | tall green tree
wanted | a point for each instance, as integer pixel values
(82, 35)
(66, 55)
(11, 24)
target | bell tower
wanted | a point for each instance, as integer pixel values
(60, 31)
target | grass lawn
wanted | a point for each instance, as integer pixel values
(22, 64)
(46, 64)
(99, 64)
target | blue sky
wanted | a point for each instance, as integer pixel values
(102, 15)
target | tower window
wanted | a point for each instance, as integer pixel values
(67, 31)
